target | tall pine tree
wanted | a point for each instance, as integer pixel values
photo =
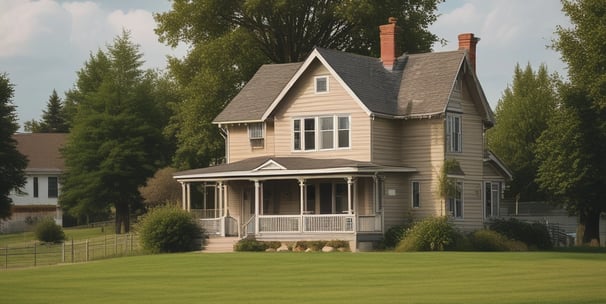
(116, 142)
(12, 163)
(53, 118)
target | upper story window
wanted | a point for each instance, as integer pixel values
(321, 133)
(454, 133)
(35, 182)
(321, 84)
(256, 134)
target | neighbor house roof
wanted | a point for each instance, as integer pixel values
(268, 166)
(419, 84)
(42, 150)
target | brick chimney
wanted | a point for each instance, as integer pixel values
(389, 49)
(468, 41)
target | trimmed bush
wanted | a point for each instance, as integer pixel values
(169, 229)
(48, 231)
(394, 235)
(535, 235)
(431, 234)
(489, 240)
(251, 245)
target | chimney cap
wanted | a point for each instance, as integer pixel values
(392, 20)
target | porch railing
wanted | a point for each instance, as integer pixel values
(305, 223)
(206, 213)
(211, 226)
(370, 223)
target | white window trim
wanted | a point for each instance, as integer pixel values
(318, 131)
(256, 142)
(450, 122)
(316, 84)
(494, 206)
(462, 215)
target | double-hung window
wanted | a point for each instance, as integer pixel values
(53, 187)
(321, 133)
(321, 84)
(455, 202)
(256, 134)
(416, 195)
(454, 133)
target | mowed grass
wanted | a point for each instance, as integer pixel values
(445, 277)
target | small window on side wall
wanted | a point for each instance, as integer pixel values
(416, 195)
(321, 84)
(256, 135)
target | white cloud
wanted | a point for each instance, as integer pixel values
(23, 22)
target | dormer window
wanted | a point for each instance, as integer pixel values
(256, 134)
(321, 84)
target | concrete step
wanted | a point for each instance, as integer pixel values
(219, 244)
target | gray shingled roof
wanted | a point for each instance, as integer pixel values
(42, 150)
(290, 163)
(427, 82)
(419, 85)
(259, 93)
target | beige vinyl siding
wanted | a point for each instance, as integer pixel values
(302, 102)
(471, 162)
(240, 146)
(423, 149)
(386, 138)
(396, 204)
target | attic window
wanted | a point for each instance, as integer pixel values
(321, 84)
(458, 86)
(256, 134)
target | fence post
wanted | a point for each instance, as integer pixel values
(125, 244)
(104, 245)
(116, 244)
(6, 257)
(72, 250)
(63, 252)
(87, 250)
(34, 254)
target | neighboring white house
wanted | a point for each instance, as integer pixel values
(38, 198)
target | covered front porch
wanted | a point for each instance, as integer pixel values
(271, 202)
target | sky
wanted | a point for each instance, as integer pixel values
(44, 43)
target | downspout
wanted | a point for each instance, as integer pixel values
(224, 133)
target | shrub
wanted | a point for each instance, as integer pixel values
(48, 231)
(250, 245)
(169, 229)
(432, 234)
(535, 235)
(394, 235)
(490, 240)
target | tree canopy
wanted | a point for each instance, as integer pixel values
(12, 162)
(231, 39)
(521, 116)
(116, 140)
(53, 118)
(571, 151)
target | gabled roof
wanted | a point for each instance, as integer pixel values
(267, 166)
(419, 85)
(258, 94)
(42, 150)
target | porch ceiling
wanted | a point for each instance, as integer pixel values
(265, 167)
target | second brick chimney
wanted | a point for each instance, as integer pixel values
(468, 41)
(389, 48)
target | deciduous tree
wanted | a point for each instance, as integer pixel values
(571, 151)
(521, 116)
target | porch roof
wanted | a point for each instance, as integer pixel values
(266, 166)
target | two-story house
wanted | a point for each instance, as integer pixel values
(343, 146)
(38, 198)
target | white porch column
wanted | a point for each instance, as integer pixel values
(219, 204)
(188, 200)
(257, 193)
(301, 202)
(226, 205)
(350, 183)
(183, 196)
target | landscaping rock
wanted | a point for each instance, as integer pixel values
(308, 250)
(282, 248)
(270, 250)
(328, 249)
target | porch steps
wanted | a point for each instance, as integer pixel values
(219, 244)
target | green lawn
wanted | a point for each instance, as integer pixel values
(446, 277)
(76, 234)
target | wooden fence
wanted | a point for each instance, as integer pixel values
(39, 254)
